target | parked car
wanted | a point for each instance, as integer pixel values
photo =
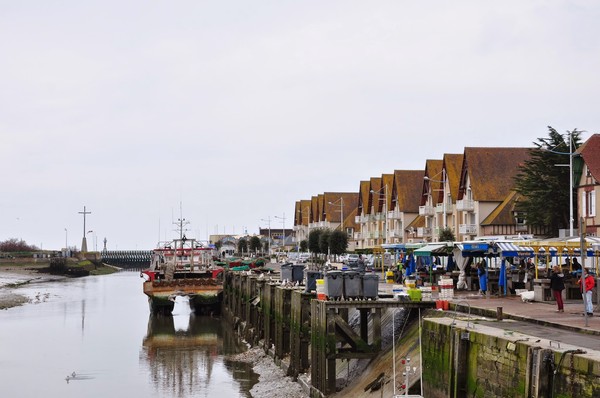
(303, 257)
(352, 260)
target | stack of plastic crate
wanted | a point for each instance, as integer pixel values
(446, 286)
(426, 294)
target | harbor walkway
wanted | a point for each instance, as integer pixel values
(540, 320)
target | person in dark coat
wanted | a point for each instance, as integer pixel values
(482, 274)
(557, 284)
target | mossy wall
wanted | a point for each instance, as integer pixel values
(460, 362)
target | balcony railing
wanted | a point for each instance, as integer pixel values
(394, 215)
(467, 229)
(426, 211)
(439, 208)
(465, 205)
(395, 234)
(423, 231)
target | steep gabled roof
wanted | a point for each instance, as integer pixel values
(388, 182)
(333, 202)
(305, 211)
(433, 170)
(320, 207)
(375, 186)
(590, 152)
(503, 214)
(418, 222)
(314, 209)
(409, 188)
(491, 171)
(363, 197)
(297, 219)
(453, 165)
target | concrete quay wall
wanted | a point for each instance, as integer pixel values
(462, 355)
(464, 359)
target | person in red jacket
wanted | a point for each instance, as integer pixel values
(590, 283)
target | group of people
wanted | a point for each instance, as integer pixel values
(586, 281)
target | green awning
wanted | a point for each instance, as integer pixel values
(434, 249)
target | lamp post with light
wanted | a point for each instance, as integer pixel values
(282, 231)
(570, 165)
(268, 220)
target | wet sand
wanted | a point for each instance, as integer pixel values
(14, 276)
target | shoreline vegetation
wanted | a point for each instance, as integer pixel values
(16, 274)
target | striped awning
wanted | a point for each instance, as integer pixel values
(553, 251)
(508, 249)
(590, 252)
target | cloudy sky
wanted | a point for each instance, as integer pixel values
(236, 109)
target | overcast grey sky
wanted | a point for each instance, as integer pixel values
(237, 109)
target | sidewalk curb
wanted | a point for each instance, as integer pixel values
(490, 313)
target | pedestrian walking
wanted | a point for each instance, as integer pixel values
(557, 284)
(589, 284)
(482, 274)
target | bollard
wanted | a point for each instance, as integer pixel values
(498, 313)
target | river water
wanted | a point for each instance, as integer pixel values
(99, 329)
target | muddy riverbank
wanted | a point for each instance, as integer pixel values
(13, 276)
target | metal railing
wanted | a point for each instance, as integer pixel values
(467, 229)
(465, 205)
(426, 211)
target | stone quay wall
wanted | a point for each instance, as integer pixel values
(462, 359)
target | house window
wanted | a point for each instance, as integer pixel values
(590, 203)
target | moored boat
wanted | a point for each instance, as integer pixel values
(184, 267)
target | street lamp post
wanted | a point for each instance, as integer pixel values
(570, 183)
(268, 220)
(282, 231)
(570, 153)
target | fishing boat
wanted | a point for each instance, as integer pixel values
(184, 267)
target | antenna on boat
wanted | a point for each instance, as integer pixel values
(181, 223)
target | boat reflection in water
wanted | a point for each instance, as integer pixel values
(186, 356)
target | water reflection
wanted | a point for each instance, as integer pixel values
(182, 351)
(100, 329)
